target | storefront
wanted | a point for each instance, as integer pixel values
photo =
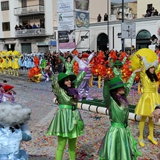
(26, 47)
(43, 47)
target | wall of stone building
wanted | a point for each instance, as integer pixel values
(133, 7)
(98, 7)
(32, 2)
(142, 6)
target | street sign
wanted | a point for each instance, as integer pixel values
(128, 30)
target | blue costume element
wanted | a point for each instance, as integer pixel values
(10, 143)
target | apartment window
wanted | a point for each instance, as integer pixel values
(41, 2)
(6, 26)
(23, 3)
(5, 5)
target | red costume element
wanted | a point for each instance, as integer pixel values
(36, 61)
(126, 71)
(113, 55)
(34, 73)
(110, 73)
(122, 55)
(75, 52)
(137, 78)
(85, 55)
(99, 65)
(75, 67)
(75, 64)
(7, 87)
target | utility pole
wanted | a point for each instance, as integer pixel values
(122, 39)
(108, 5)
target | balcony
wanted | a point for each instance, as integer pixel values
(30, 10)
(30, 32)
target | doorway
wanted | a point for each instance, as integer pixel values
(10, 47)
(143, 39)
(102, 41)
(26, 48)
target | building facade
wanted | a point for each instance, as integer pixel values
(27, 25)
(102, 38)
(44, 36)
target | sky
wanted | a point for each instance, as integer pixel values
(120, 1)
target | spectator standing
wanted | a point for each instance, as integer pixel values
(34, 26)
(99, 18)
(105, 17)
(17, 28)
(42, 25)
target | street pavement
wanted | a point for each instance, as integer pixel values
(39, 97)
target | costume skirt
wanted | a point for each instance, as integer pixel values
(66, 123)
(147, 103)
(118, 144)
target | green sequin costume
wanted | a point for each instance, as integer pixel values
(117, 71)
(68, 66)
(66, 122)
(118, 143)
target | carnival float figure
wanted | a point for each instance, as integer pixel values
(13, 130)
(34, 74)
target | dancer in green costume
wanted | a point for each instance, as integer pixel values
(118, 143)
(117, 67)
(67, 124)
(68, 63)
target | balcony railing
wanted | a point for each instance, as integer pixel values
(30, 32)
(30, 10)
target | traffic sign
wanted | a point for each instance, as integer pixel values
(128, 30)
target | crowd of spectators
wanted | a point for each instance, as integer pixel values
(29, 26)
(151, 11)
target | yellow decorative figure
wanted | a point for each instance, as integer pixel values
(91, 81)
(35, 78)
(10, 63)
(16, 66)
(99, 81)
(150, 98)
(4, 63)
(1, 60)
